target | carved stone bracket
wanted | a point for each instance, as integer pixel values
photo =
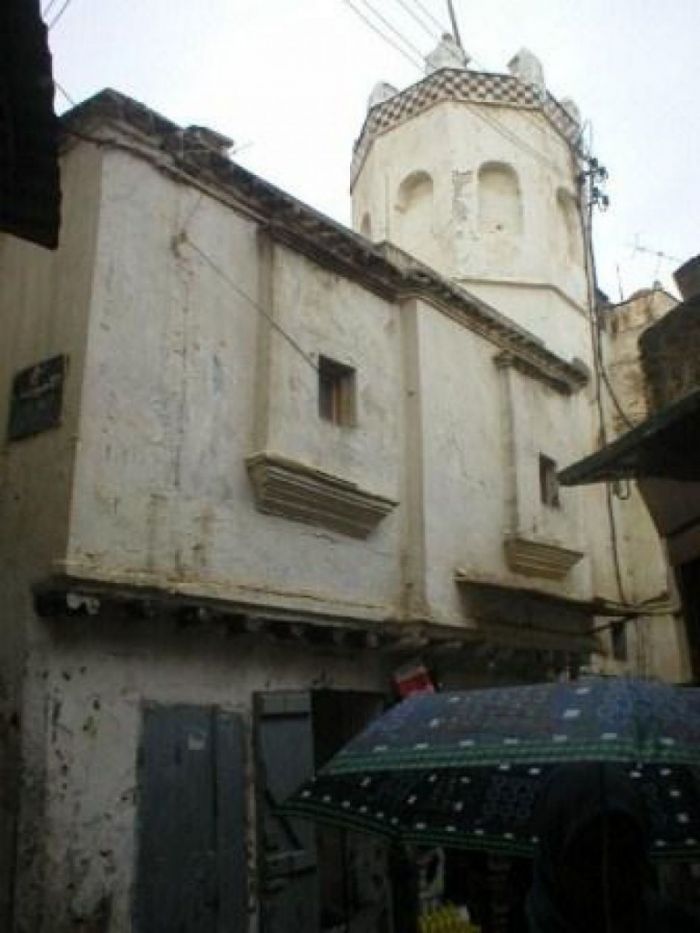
(302, 493)
(537, 558)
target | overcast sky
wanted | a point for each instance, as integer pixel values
(289, 80)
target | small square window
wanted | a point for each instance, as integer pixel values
(336, 392)
(549, 483)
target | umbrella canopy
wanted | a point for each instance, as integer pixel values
(465, 769)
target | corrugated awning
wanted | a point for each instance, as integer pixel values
(666, 446)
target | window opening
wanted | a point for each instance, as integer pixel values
(549, 482)
(336, 392)
(618, 637)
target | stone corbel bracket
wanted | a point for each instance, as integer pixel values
(537, 558)
(302, 493)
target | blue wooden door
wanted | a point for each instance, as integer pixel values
(191, 870)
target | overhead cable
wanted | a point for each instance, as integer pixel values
(183, 237)
(47, 8)
(400, 36)
(421, 22)
(64, 93)
(374, 28)
(430, 16)
(60, 13)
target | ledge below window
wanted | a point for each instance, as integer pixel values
(537, 558)
(302, 493)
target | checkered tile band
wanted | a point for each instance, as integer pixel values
(459, 85)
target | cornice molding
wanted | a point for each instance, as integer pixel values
(567, 378)
(382, 269)
(300, 492)
(537, 558)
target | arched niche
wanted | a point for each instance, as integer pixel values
(570, 226)
(413, 215)
(366, 225)
(415, 192)
(500, 201)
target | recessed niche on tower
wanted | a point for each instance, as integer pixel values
(500, 201)
(413, 214)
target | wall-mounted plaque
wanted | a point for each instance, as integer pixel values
(37, 398)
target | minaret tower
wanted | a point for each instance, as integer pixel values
(476, 175)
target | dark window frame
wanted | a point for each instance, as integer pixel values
(549, 482)
(337, 392)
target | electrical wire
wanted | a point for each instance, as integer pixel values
(505, 132)
(512, 137)
(47, 8)
(374, 28)
(64, 93)
(399, 35)
(426, 12)
(184, 238)
(587, 226)
(60, 13)
(429, 30)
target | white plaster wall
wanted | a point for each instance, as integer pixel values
(161, 492)
(337, 319)
(94, 686)
(468, 474)
(533, 276)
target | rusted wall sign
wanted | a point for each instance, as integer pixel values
(37, 398)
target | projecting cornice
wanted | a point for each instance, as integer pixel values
(536, 558)
(302, 493)
(125, 124)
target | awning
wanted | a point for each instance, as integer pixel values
(666, 445)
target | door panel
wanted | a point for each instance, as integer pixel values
(191, 822)
(287, 848)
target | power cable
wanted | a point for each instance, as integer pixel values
(399, 35)
(430, 16)
(47, 8)
(60, 13)
(506, 133)
(512, 137)
(587, 226)
(383, 35)
(428, 29)
(184, 238)
(64, 93)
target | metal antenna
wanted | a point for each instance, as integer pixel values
(455, 27)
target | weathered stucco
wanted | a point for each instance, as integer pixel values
(96, 684)
(162, 493)
(525, 257)
(194, 327)
(44, 304)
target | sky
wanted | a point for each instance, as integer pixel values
(288, 80)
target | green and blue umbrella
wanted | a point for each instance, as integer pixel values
(465, 769)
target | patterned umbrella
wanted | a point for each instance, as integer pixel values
(465, 769)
